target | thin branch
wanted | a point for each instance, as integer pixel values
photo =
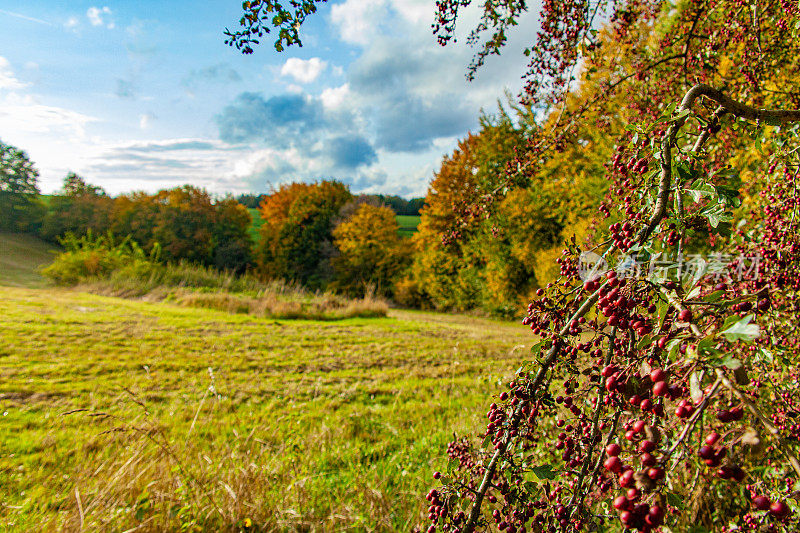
(692, 421)
(761, 418)
(475, 512)
(775, 117)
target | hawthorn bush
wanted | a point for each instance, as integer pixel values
(663, 391)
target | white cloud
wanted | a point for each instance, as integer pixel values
(100, 17)
(7, 78)
(357, 20)
(334, 97)
(25, 114)
(25, 17)
(303, 70)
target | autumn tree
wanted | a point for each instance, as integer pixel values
(371, 251)
(186, 224)
(296, 237)
(78, 208)
(231, 239)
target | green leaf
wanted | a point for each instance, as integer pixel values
(700, 191)
(536, 347)
(705, 345)
(644, 342)
(681, 114)
(729, 196)
(452, 465)
(672, 348)
(713, 297)
(742, 330)
(685, 172)
(675, 500)
(543, 472)
(731, 320)
(766, 354)
(731, 362)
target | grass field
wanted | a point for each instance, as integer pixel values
(20, 258)
(120, 414)
(255, 214)
(408, 224)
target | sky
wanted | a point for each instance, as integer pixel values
(145, 95)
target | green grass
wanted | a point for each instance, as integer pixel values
(119, 414)
(256, 224)
(21, 256)
(408, 224)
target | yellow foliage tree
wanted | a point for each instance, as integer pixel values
(372, 253)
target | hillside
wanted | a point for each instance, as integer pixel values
(21, 256)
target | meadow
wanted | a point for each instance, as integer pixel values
(20, 258)
(129, 415)
(408, 224)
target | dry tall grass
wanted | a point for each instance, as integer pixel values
(102, 267)
(271, 305)
(178, 484)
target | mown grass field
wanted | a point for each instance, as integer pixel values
(121, 415)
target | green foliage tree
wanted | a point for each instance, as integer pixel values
(231, 240)
(296, 239)
(78, 208)
(20, 207)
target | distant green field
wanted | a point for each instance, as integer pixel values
(408, 224)
(257, 223)
(128, 415)
(20, 258)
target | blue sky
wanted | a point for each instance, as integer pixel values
(143, 95)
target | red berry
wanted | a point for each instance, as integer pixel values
(613, 464)
(621, 503)
(761, 502)
(712, 438)
(685, 315)
(647, 446)
(613, 449)
(779, 509)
